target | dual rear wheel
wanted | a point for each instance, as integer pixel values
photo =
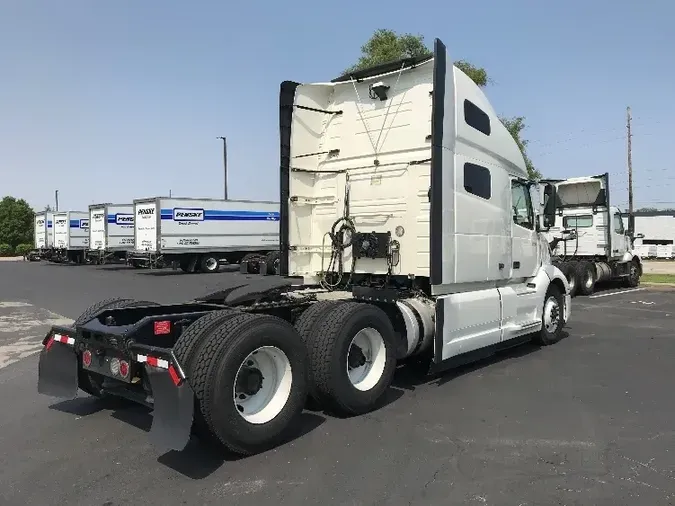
(252, 374)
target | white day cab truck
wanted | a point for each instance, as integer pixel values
(111, 232)
(71, 236)
(43, 236)
(398, 242)
(199, 235)
(600, 248)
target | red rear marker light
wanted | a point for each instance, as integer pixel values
(162, 327)
(86, 358)
(124, 368)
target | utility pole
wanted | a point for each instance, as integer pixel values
(630, 165)
(224, 166)
(56, 198)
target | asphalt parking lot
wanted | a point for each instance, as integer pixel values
(588, 421)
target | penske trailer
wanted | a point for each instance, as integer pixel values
(111, 232)
(199, 235)
(71, 236)
(424, 246)
(43, 236)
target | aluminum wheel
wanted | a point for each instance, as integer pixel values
(366, 359)
(589, 280)
(211, 264)
(551, 314)
(262, 385)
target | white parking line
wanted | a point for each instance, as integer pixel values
(615, 293)
(22, 328)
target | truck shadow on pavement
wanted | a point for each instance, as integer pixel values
(199, 459)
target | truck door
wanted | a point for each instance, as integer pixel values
(523, 230)
(618, 236)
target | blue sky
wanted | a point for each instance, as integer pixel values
(110, 101)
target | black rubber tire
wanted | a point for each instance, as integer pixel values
(187, 349)
(215, 370)
(328, 346)
(251, 268)
(272, 262)
(586, 277)
(305, 325)
(91, 382)
(203, 264)
(570, 272)
(633, 279)
(544, 337)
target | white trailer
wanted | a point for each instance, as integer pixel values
(200, 234)
(71, 236)
(602, 249)
(43, 236)
(111, 232)
(420, 243)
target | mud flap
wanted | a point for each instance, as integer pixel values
(173, 411)
(57, 371)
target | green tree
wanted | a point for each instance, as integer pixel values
(515, 126)
(16, 222)
(386, 45)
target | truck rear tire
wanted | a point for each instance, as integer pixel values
(587, 277)
(551, 318)
(305, 325)
(90, 382)
(352, 354)
(570, 272)
(187, 350)
(251, 379)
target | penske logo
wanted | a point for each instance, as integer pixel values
(188, 214)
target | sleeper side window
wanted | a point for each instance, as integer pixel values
(477, 180)
(476, 118)
(521, 205)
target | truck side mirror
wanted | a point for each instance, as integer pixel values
(631, 225)
(548, 217)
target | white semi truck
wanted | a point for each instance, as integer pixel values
(71, 236)
(43, 234)
(111, 232)
(407, 232)
(601, 249)
(201, 234)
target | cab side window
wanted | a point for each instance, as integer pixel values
(618, 224)
(521, 205)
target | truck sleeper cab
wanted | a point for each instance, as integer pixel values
(601, 249)
(407, 231)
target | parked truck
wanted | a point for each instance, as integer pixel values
(601, 249)
(423, 246)
(71, 236)
(111, 232)
(199, 235)
(43, 235)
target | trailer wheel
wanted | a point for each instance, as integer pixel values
(187, 349)
(272, 261)
(633, 279)
(252, 261)
(569, 270)
(551, 318)
(91, 382)
(251, 379)
(352, 357)
(587, 277)
(209, 264)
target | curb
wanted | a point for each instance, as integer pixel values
(11, 259)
